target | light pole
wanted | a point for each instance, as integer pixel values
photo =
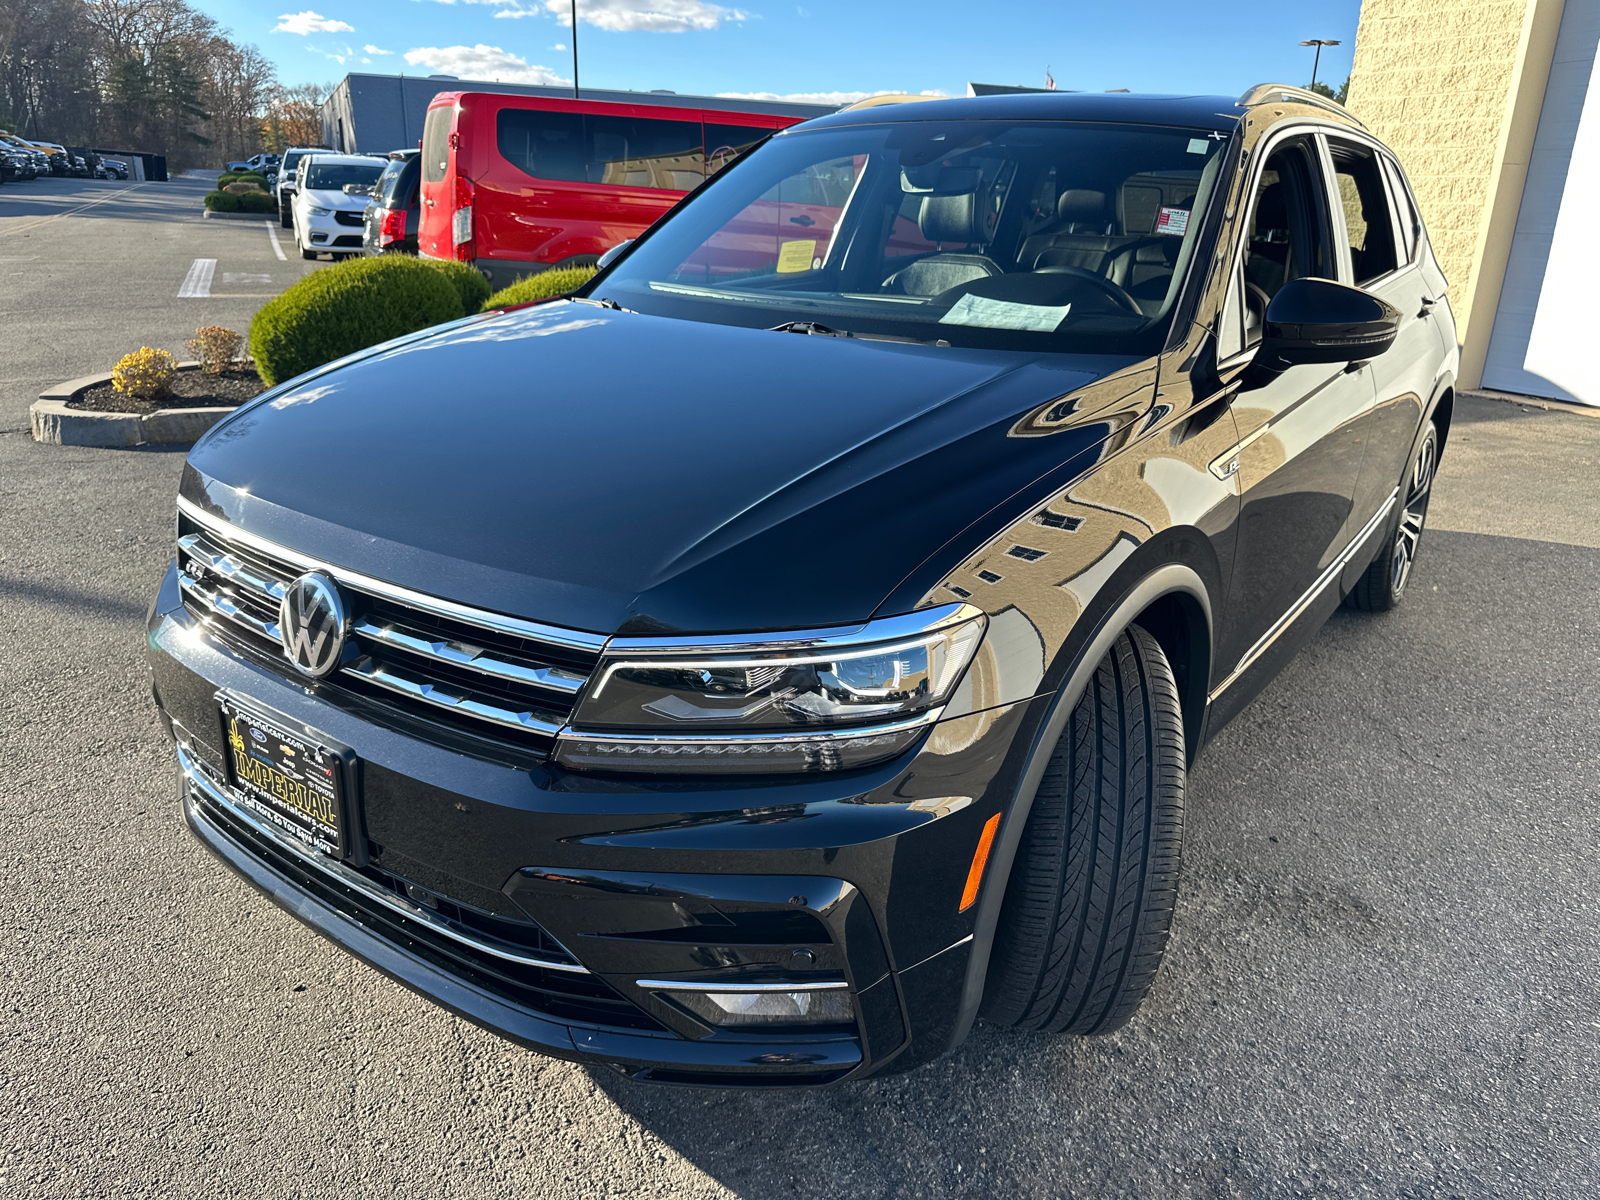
(1319, 43)
(575, 49)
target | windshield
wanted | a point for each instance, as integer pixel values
(330, 177)
(1032, 235)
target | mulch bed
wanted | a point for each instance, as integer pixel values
(189, 389)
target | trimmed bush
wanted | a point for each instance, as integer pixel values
(539, 287)
(222, 202)
(226, 178)
(466, 279)
(144, 374)
(257, 202)
(255, 177)
(241, 187)
(348, 307)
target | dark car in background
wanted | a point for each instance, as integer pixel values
(812, 658)
(394, 210)
(116, 167)
(287, 183)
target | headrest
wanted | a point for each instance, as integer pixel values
(1272, 209)
(955, 219)
(1080, 204)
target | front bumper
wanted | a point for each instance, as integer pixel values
(328, 233)
(853, 876)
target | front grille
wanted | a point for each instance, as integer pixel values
(563, 995)
(347, 240)
(348, 218)
(476, 672)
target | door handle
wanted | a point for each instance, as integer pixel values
(1427, 308)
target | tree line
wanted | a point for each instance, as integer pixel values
(148, 75)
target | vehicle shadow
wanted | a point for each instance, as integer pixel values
(1334, 1016)
(22, 203)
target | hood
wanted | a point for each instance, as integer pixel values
(611, 471)
(333, 198)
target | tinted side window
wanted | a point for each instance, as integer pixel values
(1407, 215)
(1366, 211)
(436, 145)
(725, 143)
(1286, 235)
(644, 152)
(621, 151)
(388, 182)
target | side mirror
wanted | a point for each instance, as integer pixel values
(611, 255)
(1320, 321)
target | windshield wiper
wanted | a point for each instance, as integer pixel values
(602, 302)
(818, 329)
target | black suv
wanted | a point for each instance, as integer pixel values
(752, 668)
(394, 210)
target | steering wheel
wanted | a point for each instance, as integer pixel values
(1112, 291)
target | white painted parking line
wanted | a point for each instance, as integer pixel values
(197, 283)
(272, 232)
(245, 277)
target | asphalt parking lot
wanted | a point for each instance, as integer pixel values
(1384, 981)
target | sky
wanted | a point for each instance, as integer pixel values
(828, 50)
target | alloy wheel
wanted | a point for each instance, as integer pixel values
(1415, 513)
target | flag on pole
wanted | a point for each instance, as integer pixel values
(1049, 81)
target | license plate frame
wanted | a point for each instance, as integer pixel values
(292, 777)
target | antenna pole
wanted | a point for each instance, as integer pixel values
(574, 49)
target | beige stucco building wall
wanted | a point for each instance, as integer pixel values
(1455, 87)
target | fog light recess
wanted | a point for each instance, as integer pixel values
(760, 1004)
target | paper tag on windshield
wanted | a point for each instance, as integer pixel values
(796, 255)
(1003, 314)
(1173, 220)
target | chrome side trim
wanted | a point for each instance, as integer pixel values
(884, 629)
(472, 658)
(683, 985)
(222, 606)
(385, 676)
(360, 883)
(573, 639)
(776, 735)
(1299, 606)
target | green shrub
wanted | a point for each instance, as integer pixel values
(348, 307)
(226, 178)
(538, 287)
(257, 202)
(466, 279)
(222, 202)
(255, 177)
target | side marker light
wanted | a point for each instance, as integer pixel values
(980, 859)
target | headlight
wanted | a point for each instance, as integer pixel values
(319, 212)
(803, 702)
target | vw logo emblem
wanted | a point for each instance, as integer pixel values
(311, 624)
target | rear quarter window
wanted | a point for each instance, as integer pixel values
(436, 144)
(644, 152)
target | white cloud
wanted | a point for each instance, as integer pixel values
(823, 97)
(482, 62)
(560, 47)
(371, 49)
(653, 16)
(309, 22)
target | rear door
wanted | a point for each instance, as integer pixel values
(1383, 256)
(1299, 451)
(438, 182)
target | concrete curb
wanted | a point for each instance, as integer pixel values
(57, 425)
(1577, 410)
(239, 216)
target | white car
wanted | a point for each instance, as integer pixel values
(327, 218)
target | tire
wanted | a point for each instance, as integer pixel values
(1383, 584)
(285, 217)
(307, 254)
(1089, 905)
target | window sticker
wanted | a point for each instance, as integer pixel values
(1169, 220)
(796, 255)
(1198, 145)
(1003, 314)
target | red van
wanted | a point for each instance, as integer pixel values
(518, 184)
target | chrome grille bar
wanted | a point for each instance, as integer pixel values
(218, 602)
(447, 697)
(472, 658)
(231, 568)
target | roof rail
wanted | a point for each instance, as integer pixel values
(1264, 93)
(886, 98)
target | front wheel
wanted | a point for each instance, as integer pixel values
(1384, 581)
(1089, 905)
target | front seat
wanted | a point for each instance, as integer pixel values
(1266, 263)
(967, 219)
(1084, 234)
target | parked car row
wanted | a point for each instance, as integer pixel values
(22, 160)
